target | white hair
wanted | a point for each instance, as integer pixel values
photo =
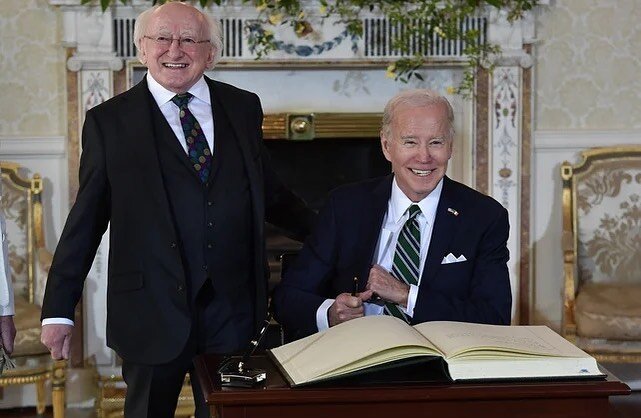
(415, 98)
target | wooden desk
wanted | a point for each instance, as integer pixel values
(580, 399)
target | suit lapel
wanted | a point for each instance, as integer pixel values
(138, 108)
(220, 140)
(230, 108)
(372, 221)
(445, 226)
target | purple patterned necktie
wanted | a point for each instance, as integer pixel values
(197, 148)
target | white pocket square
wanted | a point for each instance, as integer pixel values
(450, 258)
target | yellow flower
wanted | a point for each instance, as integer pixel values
(262, 6)
(450, 90)
(323, 9)
(275, 19)
(301, 15)
(391, 71)
(303, 28)
(439, 32)
(268, 33)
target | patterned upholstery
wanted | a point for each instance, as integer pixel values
(602, 252)
(28, 261)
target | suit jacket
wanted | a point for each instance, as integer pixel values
(120, 183)
(345, 239)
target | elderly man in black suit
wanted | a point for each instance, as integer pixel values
(177, 167)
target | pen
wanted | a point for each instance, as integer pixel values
(254, 343)
(355, 289)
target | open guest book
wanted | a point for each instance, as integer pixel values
(465, 351)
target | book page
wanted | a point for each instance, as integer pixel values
(352, 345)
(459, 340)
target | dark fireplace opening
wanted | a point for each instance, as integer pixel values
(312, 169)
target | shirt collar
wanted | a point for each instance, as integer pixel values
(199, 90)
(399, 203)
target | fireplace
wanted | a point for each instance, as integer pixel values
(315, 153)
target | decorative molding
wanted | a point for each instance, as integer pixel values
(505, 135)
(94, 62)
(323, 125)
(553, 141)
(505, 161)
(510, 37)
(40, 146)
(89, 31)
(95, 88)
(96, 35)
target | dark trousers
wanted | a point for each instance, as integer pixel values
(152, 390)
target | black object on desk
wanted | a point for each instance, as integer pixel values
(237, 374)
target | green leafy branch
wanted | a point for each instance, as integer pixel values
(421, 19)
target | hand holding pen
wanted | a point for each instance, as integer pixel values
(348, 306)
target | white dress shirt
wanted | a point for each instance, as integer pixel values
(200, 107)
(393, 222)
(6, 287)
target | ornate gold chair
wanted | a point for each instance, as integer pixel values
(111, 398)
(29, 264)
(602, 253)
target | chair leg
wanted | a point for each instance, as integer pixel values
(58, 388)
(40, 397)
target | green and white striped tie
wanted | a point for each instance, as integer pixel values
(407, 257)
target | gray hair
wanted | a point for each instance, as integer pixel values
(415, 98)
(215, 32)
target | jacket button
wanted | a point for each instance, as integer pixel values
(210, 203)
(180, 288)
(173, 245)
(209, 246)
(210, 224)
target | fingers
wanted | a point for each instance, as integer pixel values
(65, 347)
(366, 295)
(57, 338)
(344, 308)
(379, 269)
(381, 282)
(349, 301)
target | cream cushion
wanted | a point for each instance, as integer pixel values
(27, 320)
(609, 310)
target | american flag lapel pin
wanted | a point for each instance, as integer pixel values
(452, 211)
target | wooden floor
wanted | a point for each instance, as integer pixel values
(622, 407)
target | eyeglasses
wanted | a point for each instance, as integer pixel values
(186, 44)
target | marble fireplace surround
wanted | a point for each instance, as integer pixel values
(494, 127)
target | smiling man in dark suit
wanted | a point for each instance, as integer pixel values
(177, 168)
(423, 247)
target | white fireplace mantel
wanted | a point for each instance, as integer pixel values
(91, 32)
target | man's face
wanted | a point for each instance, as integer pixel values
(419, 147)
(176, 67)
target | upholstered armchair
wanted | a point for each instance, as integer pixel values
(602, 253)
(29, 264)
